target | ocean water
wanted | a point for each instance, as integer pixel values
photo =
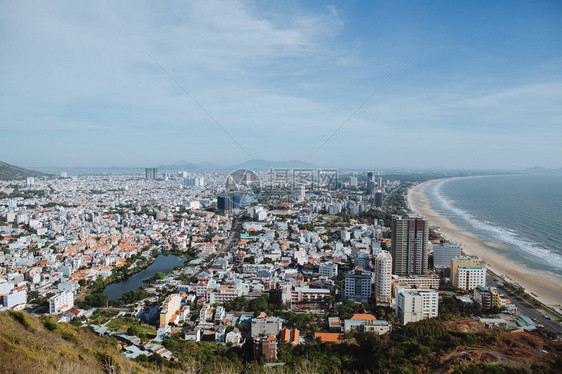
(522, 212)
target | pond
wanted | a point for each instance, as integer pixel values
(161, 264)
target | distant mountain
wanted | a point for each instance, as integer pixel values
(266, 164)
(11, 172)
(186, 166)
(209, 165)
(250, 164)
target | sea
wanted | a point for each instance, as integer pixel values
(522, 212)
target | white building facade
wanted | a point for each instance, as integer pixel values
(415, 305)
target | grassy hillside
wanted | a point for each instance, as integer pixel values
(32, 345)
(11, 172)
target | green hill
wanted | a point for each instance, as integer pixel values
(11, 172)
(38, 345)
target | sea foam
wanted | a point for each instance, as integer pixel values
(498, 233)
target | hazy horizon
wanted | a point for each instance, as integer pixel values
(480, 85)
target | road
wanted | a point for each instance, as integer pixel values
(388, 196)
(525, 309)
(232, 240)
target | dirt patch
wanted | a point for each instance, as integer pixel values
(466, 325)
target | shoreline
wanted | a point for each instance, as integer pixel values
(543, 284)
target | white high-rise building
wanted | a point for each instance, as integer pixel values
(468, 278)
(467, 273)
(383, 276)
(61, 302)
(414, 305)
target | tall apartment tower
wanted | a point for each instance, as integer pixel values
(410, 235)
(150, 173)
(383, 276)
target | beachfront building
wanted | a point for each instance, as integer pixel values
(468, 278)
(444, 253)
(467, 273)
(383, 277)
(409, 244)
(415, 305)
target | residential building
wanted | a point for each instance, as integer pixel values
(224, 294)
(15, 297)
(358, 285)
(266, 346)
(170, 309)
(468, 278)
(409, 245)
(415, 305)
(444, 253)
(265, 326)
(61, 302)
(309, 295)
(467, 273)
(328, 269)
(484, 297)
(151, 173)
(291, 336)
(430, 280)
(383, 277)
(362, 260)
(234, 337)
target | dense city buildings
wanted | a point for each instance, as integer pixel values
(410, 235)
(236, 259)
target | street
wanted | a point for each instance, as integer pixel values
(538, 316)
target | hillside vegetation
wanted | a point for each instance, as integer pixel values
(11, 172)
(38, 345)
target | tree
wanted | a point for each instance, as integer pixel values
(137, 330)
(259, 304)
(96, 300)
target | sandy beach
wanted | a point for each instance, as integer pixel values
(547, 286)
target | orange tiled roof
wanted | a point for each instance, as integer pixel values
(367, 317)
(329, 337)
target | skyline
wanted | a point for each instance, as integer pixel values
(481, 89)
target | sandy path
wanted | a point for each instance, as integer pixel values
(547, 286)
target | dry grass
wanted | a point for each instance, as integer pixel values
(26, 346)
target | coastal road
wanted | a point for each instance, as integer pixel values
(538, 316)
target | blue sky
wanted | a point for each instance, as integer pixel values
(482, 87)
